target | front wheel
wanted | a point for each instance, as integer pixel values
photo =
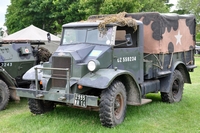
(39, 106)
(4, 95)
(113, 105)
(176, 89)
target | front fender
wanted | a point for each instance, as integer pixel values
(10, 82)
(30, 74)
(102, 78)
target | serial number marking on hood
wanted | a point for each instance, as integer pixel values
(126, 59)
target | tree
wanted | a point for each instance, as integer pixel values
(154, 6)
(45, 14)
(191, 7)
(50, 15)
(66, 11)
(131, 6)
(13, 15)
(40, 12)
(22, 13)
(90, 7)
(113, 6)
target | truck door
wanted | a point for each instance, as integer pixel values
(128, 56)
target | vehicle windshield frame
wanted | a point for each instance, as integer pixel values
(90, 35)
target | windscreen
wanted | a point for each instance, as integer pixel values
(86, 35)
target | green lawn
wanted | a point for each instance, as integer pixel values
(155, 117)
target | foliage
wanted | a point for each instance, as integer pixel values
(67, 11)
(180, 11)
(113, 6)
(22, 13)
(90, 7)
(198, 37)
(50, 15)
(190, 6)
(154, 6)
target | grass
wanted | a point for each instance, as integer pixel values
(154, 117)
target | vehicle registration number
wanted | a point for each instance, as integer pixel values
(80, 100)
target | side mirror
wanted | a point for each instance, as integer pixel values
(129, 39)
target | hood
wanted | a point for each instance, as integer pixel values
(82, 52)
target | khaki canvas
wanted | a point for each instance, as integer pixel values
(167, 33)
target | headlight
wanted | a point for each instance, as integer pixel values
(93, 65)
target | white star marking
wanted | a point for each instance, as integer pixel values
(178, 38)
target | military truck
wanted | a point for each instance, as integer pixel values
(111, 61)
(15, 59)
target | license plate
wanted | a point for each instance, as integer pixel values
(80, 100)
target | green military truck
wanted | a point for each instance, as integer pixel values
(15, 59)
(111, 61)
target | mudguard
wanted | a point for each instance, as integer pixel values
(102, 78)
(10, 81)
(30, 74)
(165, 82)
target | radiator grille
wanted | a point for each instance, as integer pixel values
(60, 62)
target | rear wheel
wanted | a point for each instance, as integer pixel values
(113, 105)
(39, 106)
(4, 95)
(176, 89)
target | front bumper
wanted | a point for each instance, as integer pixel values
(58, 97)
(57, 94)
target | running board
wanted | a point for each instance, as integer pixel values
(143, 101)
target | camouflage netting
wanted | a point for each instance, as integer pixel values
(43, 54)
(119, 19)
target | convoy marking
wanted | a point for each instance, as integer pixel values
(7, 64)
(95, 53)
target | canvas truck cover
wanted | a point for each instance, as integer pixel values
(167, 33)
(164, 33)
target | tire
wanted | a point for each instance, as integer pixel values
(176, 89)
(4, 95)
(39, 106)
(113, 105)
